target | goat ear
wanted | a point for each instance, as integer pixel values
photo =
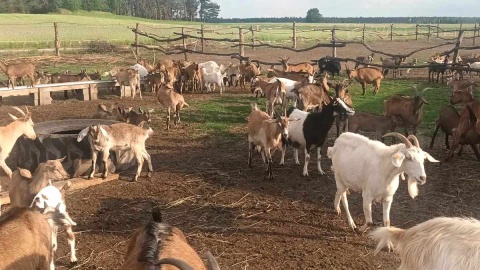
(430, 158)
(25, 173)
(397, 159)
(13, 116)
(104, 132)
(82, 134)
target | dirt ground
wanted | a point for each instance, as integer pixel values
(207, 189)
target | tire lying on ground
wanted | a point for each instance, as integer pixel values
(57, 139)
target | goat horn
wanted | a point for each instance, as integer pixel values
(399, 136)
(425, 89)
(18, 109)
(415, 140)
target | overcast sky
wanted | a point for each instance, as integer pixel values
(348, 8)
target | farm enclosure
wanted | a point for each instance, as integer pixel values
(203, 182)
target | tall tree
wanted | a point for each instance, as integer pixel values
(313, 15)
(208, 10)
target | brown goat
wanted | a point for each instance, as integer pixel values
(447, 121)
(341, 92)
(157, 244)
(466, 131)
(364, 76)
(406, 108)
(302, 77)
(14, 71)
(301, 67)
(311, 96)
(168, 98)
(26, 239)
(274, 92)
(112, 113)
(372, 123)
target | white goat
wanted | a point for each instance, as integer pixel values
(441, 243)
(52, 197)
(369, 166)
(213, 77)
(121, 136)
(211, 66)
(10, 133)
(289, 86)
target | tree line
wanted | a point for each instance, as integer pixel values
(203, 10)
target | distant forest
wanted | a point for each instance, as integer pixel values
(196, 10)
(419, 20)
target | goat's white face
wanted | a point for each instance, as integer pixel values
(412, 159)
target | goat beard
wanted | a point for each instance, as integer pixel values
(412, 187)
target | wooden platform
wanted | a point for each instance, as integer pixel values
(88, 90)
(77, 183)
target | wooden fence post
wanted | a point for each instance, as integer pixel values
(136, 39)
(429, 32)
(459, 42)
(391, 32)
(416, 32)
(203, 42)
(294, 35)
(184, 44)
(474, 33)
(57, 41)
(240, 42)
(334, 52)
(363, 34)
(253, 37)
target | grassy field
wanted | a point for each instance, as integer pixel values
(20, 31)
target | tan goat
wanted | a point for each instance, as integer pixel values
(27, 238)
(14, 71)
(158, 243)
(266, 133)
(127, 77)
(367, 75)
(301, 67)
(171, 100)
(10, 133)
(274, 92)
(121, 136)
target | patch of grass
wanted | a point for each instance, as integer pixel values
(220, 117)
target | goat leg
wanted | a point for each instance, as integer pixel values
(71, 242)
(94, 161)
(149, 162)
(105, 154)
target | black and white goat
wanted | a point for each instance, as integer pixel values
(312, 130)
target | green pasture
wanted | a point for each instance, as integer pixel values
(20, 31)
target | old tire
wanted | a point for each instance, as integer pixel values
(57, 139)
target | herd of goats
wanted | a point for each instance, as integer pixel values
(28, 229)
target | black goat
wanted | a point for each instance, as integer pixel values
(329, 64)
(312, 129)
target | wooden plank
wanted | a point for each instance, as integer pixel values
(77, 183)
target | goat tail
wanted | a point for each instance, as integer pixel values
(330, 152)
(386, 236)
(180, 264)
(156, 214)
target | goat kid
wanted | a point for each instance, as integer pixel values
(121, 136)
